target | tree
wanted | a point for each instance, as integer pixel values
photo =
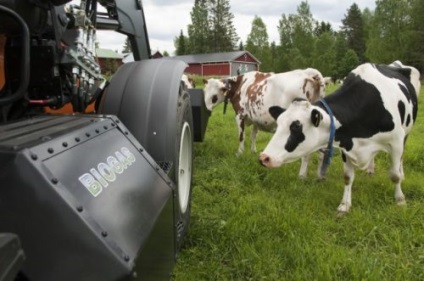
(257, 43)
(241, 46)
(224, 35)
(296, 38)
(353, 27)
(416, 46)
(199, 29)
(349, 62)
(181, 46)
(340, 50)
(390, 32)
(323, 27)
(127, 46)
(324, 55)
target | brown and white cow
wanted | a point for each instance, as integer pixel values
(188, 81)
(374, 110)
(252, 93)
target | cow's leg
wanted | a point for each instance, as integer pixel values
(303, 172)
(320, 163)
(240, 125)
(253, 138)
(371, 167)
(396, 175)
(349, 176)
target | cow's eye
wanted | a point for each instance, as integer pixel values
(296, 126)
(214, 98)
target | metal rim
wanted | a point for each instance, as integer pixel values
(185, 162)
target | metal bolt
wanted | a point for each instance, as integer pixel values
(34, 156)
(97, 131)
(87, 135)
(65, 144)
(126, 132)
(105, 127)
(77, 139)
(79, 209)
(104, 233)
(55, 180)
(50, 150)
(126, 258)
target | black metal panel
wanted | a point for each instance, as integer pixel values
(200, 113)
(84, 198)
(11, 256)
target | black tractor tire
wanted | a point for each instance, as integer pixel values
(152, 102)
(183, 160)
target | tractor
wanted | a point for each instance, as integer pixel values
(96, 173)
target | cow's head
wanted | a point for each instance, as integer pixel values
(301, 130)
(314, 87)
(214, 91)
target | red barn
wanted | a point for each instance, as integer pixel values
(220, 64)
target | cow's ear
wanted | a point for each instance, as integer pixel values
(275, 111)
(205, 81)
(316, 117)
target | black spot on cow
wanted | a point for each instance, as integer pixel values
(401, 108)
(404, 75)
(408, 120)
(359, 108)
(296, 136)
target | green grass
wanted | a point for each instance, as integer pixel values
(253, 223)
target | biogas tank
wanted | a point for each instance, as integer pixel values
(86, 200)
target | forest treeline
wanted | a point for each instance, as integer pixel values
(394, 30)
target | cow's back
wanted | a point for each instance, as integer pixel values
(371, 102)
(259, 91)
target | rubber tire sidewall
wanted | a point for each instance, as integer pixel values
(184, 116)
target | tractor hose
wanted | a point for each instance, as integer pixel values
(20, 92)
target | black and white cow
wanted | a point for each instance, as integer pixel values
(374, 110)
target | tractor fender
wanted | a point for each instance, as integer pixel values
(144, 96)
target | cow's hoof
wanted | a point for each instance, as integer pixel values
(343, 209)
(341, 214)
(401, 202)
(321, 178)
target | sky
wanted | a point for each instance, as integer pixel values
(166, 18)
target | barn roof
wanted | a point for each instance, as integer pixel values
(108, 54)
(213, 57)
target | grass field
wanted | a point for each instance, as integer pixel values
(253, 223)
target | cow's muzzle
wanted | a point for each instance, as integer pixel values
(264, 160)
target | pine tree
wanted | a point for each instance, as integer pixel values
(180, 44)
(127, 46)
(353, 27)
(199, 30)
(224, 35)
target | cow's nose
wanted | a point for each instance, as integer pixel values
(264, 159)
